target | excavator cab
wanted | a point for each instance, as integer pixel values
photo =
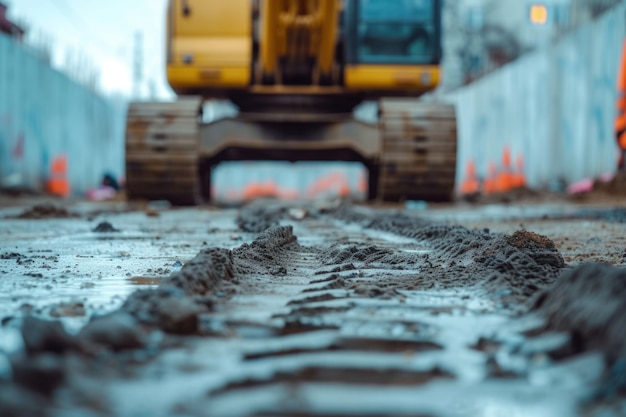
(296, 69)
(408, 33)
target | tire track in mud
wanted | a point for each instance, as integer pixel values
(352, 323)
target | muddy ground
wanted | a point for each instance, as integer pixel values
(318, 309)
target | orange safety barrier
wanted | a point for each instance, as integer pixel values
(335, 181)
(362, 185)
(289, 194)
(334, 184)
(57, 182)
(232, 195)
(260, 190)
(470, 185)
(250, 191)
(344, 189)
(269, 189)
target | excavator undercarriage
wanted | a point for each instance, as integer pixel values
(410, 153)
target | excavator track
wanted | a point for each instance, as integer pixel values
(418, 151)
(162, 151)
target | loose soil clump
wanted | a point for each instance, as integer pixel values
(259, 216)
(180, 298)
(174, 306)
(511, 268)
(589, 302)
(105, 227)
(269, 254)
(45, 211)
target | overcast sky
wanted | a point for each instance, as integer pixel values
(104, 30)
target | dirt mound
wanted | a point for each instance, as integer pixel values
(203, 273)
(104, 227)
(16, 401)
(174, 306)
(348, 253)
(259, 216)
(589, 302)
(270, 253)
(526, 239)
(45, 211)
(512, 268)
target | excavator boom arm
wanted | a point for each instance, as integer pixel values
(299, 32)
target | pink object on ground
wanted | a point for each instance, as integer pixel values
(607, 177)
(582, 186)
(101, 193)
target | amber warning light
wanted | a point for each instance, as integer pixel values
(538, 14)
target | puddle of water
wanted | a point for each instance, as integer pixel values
(114, 236)
(10, 341)
(416, 251)
(376, 235)
(481, 400)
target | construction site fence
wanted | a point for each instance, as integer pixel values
(553, 109)
(48, 121)
(549, 114)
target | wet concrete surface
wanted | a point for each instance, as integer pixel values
(318, 309)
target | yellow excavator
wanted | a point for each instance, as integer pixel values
(296, 70)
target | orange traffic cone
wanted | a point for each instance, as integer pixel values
(519, 179)
(470, 184)
(489, 187)
(251, 191)
(505, 177)
(57, 182)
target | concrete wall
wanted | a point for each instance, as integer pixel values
(43, 115)
(555, 108)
